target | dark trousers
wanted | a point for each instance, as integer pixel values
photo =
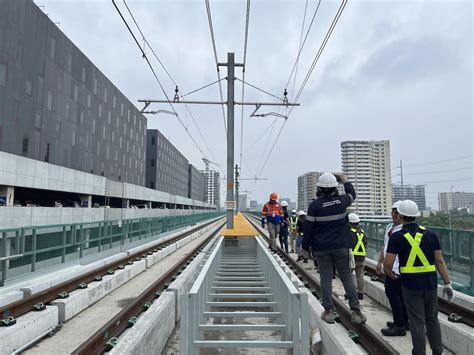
(393, 290)
(339, 258)
(422, 309)
(283, 236)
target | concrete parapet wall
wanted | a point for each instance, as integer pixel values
(27, 328)
(150, 334)
(10, 297)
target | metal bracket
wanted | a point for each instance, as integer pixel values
(147, 103)
(176, 95)
(257, 106)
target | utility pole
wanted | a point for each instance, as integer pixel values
(401, 179)
(231, 203)
(237, 188)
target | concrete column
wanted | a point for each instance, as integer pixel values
(7, 195)
(148, 204)
(86, 200)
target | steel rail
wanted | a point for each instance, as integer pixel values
(369, 339)
(97, 343)
(443, 305)
(26, 305)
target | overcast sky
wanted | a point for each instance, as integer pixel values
(396, 70)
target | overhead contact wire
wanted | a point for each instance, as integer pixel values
(247, 20)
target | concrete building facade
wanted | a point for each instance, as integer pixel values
(212, 186)
(243, 202)
(448, 201)
(367, 165)
(167, 168)
(307, 189)
(413, 192)
(195, 184)
(60, 107)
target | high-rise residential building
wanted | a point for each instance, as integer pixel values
(254, 205)
(56, 106)
(212, 184)
(307, 187)
(243, 202)
(411, 192)
(367, 165)
(167, 168)
(448, 201)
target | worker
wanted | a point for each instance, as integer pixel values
(327, 227)
(284, 227)
(272, 215)
(359, 250)
(293, 219)
(393, 287)
(419, 254)
(300, 236)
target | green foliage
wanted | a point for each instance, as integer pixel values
(459, 220)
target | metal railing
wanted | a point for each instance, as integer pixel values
(28, 249)
(287, 303)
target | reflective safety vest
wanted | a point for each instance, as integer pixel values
(416, 251)
(293, 222)
(359, 249)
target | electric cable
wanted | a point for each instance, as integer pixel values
(247, 20)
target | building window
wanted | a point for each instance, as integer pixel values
(28, 87)
(15, 109)
(105, 95)
(48, 147)
(75, 92)
(3, 74)
(83, 74)
(114, 101)
(152, 163)
(89, 101)
(95, 86)
(49, 103)
(67, 109)
(153, 140)
(69, 62)
(24, 148)
(52, 49)
(38, 120)
(93, 125)
(100, 110)
(109, 117)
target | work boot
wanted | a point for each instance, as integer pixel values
(328, 316)
(360, 295)
(392, 324)
(394, 331)
(305, 261)
(358, 317)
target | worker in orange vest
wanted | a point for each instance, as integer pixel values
(272, 215)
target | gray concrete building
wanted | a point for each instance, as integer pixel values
(57, 107)
(448, 201)
(413, 192)
(195, 184)
(167, 168)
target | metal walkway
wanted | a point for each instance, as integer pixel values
(242, 299)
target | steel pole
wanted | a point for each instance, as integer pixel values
(401, 178)
(230, 138)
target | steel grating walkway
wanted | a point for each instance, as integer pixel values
(243, 300)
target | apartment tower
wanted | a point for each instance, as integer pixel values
(367, 165)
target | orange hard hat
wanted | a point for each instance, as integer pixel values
(273, 196)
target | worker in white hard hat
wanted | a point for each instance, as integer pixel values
(283, 234)
(299, 237)
(419, 253)
(359, 250)
(326, 228)
(293, 219)
(393, 287)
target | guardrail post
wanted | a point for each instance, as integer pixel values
(109, 233)
(81, 241)
(33, 249)
(4, 261)
(471, 241)
(99, 238)
(63, 250)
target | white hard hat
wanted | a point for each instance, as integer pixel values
(293, 211)
(408, 208)
(353, 218)
(284, 204)
(327, 180)
(396, 204)
(301, 213)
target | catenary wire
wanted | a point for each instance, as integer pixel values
(171, 78)
(438, 161)
(211, 30)
(259, 89)
(157, 79)
(201, 88)
(440, 171)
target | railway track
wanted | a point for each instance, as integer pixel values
(370, 340)
(37, 302)
(106, 337)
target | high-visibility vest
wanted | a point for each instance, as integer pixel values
(359, 249)
(416, 251)
(293, 222)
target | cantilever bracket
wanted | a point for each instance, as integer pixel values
(257, 106)
(147, 103)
